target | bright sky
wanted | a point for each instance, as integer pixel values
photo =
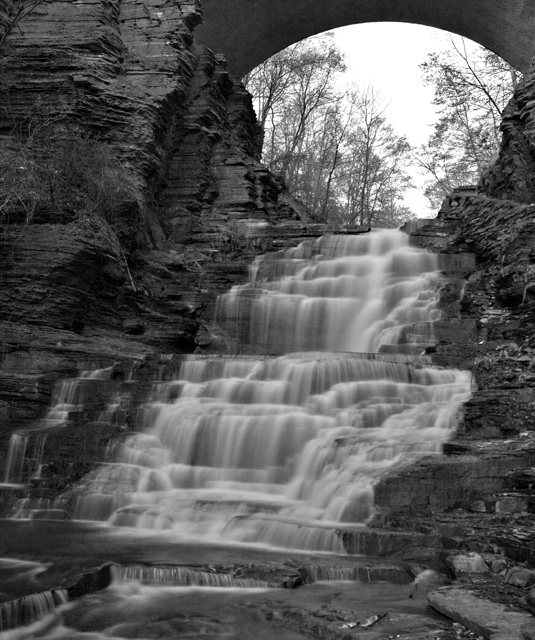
(394, 71)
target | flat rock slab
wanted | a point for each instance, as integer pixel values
(488, 619)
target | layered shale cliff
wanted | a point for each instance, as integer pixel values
(129, 176)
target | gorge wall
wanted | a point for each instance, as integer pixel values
(127, 83)
(123, 82)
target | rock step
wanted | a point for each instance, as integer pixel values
(489, 619)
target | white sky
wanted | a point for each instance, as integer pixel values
(386, 55)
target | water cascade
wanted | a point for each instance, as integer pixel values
(284, 450)
(35, 606)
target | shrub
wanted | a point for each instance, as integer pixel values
(53, 171)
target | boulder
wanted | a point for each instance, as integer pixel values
(520, 577)
(463, 564)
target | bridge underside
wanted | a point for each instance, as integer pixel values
(250, 31)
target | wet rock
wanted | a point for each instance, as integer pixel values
(498, 565)
(292, 581)
(400, 544)
(461, 264)
(478, 506)
(518, 542)
(458, 330)
(438, 483)
(497, 413)
(367, 572)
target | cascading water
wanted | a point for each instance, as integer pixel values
(340, 293)
(284, 450)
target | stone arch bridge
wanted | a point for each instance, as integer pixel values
(250, 31)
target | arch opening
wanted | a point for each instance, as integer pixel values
(377, 148)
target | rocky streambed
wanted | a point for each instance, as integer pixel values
(78, 577)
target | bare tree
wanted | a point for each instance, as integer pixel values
(471, 89)
(334, 148)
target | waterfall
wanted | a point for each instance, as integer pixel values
(15, 458)
(284, 450)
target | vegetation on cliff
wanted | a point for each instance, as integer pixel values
(52, 172)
